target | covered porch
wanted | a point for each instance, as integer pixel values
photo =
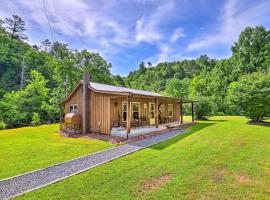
(135, 115)
(142, 130)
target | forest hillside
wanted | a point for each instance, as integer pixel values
(33, 79)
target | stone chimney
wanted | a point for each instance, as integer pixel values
(85, 103)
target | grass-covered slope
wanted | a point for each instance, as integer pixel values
(223, 158)
(30, 148)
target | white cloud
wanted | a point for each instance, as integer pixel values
(178, 33)
(167, 53)
(71, 18)
(147, 28)
(234, 17)
(146, 32)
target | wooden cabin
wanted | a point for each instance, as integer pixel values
(102, 107)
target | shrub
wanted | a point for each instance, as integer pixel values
(203, 107)
(252, 95)
(2, 125)
(35, 119)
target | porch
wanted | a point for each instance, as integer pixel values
(142, 130)
(136, 115)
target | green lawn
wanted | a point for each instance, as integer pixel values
(224, 158)
(30, 148)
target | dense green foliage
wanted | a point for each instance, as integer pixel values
(207, 78)
(35, 119)
(252, 95)
(33, 79)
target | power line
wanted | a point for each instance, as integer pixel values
(51, 12)
(50, 28)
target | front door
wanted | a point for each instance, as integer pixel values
(152, 113)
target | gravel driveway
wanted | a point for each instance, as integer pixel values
(15, 186)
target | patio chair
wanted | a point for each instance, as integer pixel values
(143, 121)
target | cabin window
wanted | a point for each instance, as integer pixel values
(170, 110)
(73, 108)
(135, 111)
(124, 111)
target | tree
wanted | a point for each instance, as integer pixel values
(177, 88)
(252, 95)
(1, 25)
(35, 93)
(197, 86)
(15, 27)
(118, 80)
(204, 107)
(252, 49)
(46, 45)
(149, 64)
(142, 66)
(35, 119)
(12, 113)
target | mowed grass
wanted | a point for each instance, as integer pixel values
(30, 148)
(223, 158)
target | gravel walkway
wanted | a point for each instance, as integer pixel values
(17, 185)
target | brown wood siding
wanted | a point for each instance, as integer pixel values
(104, 113)
(76, 98)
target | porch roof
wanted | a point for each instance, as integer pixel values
(110, 89)
(118, 89)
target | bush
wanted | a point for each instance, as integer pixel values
(203, 107)
(35, 119)
(2, 125)
(251, 94)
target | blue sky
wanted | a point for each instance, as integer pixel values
(126, 32)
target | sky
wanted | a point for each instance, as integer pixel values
(127, 32)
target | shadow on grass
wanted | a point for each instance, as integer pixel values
(262, 123)
(217, 120)
(211, 120)
(171, 141)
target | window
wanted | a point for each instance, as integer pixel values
(152, 110)
(170, 110)
(135, 111)
(124, 111)
(73, 108)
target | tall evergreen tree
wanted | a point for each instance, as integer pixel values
(1, 24)
(142, 66)
(15, 27)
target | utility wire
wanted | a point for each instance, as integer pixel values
(50, 28)
(51, 13)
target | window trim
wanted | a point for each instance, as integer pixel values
(123, 102)
(170, 105)
(139, 109)
(71, 107)
(131, 103)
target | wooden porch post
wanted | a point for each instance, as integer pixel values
(192, 109)
(181, 112)
(156, 112)
(128, 120)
